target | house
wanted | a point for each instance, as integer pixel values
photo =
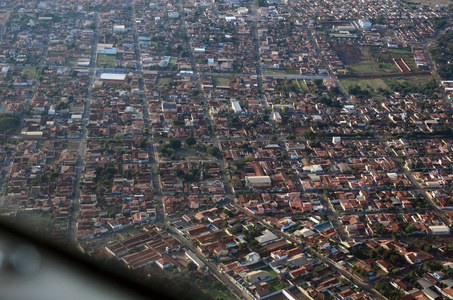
(194, 258)
(258, 181)
(257, 276)
(300, 271)
(251, 258)
(266, 237)
(384, 265)
(439, 229)
(170, 107)
(236, 107)
(431, 294)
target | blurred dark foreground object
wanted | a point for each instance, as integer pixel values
(33, 268)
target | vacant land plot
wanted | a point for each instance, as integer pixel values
(161, 81)
(281, 71)
(4, 14)
(405, 54)
(73, 145)
(39, 221)
(428, 2)
(368, 84)
(72, 61)
(221, 81)
(378, 87)
(29, 72)
(105, 60)
(288, 85)
(368, 60)
(303, 85)
(172, 63)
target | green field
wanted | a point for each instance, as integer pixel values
(271, 271)
(378, 86)
(218, 294)
(172, 63)
(277, 285)
(72, 61)
(30, 72)
(221, 81)
(105, 60)
(303, 85)
(37, 221)
(280, 71)
(373, 60)
(405, 54)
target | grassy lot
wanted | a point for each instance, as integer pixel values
(296, 82)
(365, 60)
(217, 294)
(271, 271)
(4, 17)
(279, 71)
(288, 85)
(277, 285)
(303, 85)
(221, 81)
(172, 63)
(427, 2)
(369, 84)
(377, 86)
(105, 60)
(35, 220)
(405, 54)
(30, 72)
(72, 61)
(193, 153)
(401, 51)
(163, 80)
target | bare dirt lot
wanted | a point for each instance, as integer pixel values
(3, 16)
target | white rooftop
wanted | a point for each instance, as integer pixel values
(113, 76)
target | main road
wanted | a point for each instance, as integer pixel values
(81, 150)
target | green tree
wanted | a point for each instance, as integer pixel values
(190, 141)
(8, 123)
(175, 144)
(191, 266)
(309, 135)
(213, 150)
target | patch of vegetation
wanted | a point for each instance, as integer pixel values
(9, 123)
(106, 60)
(188, 176)
(438, 23)
(365, 60)
(384, 87)
(38, 221)
(388, 291)
(442, 54)
(443, 133)
(29, 72)
(303, 85)
(287, 86)
(221, 81)
(261, 3)
(168, 148)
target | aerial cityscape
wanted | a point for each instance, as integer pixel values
(232, 149)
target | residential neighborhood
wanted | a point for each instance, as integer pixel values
(279, 149)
